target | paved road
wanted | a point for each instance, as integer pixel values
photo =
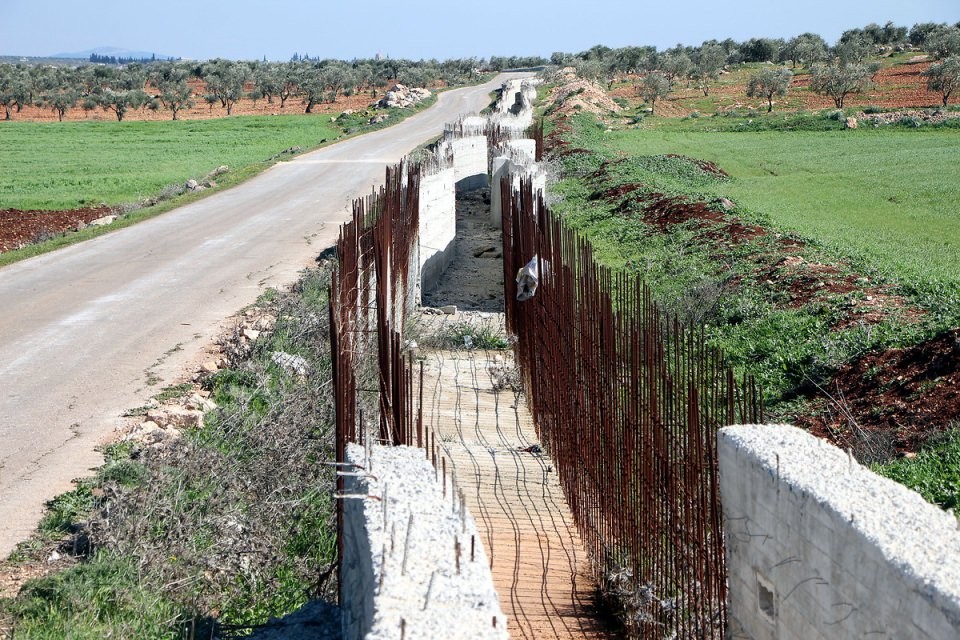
(81, 329)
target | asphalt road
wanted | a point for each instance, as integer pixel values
(82, 329)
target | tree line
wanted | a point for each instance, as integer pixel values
(836, 71)
(164, 85)
(97, 58)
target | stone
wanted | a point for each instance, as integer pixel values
(197, 402)
(209, 367)
(291, 363)
(850, 123)
(177, 417)
(450, 309)
(102, 222)
(191, 184)
(727, 204)
(251, 334)
(401, 96)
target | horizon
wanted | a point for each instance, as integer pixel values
(418, 30)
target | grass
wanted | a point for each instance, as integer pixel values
(66, 165)
(828, 189)
(934, 473)
(890, 196)
(464, 335)
(93, 600)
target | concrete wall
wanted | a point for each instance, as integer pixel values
(516, 163)
(438, 226)
(470, 162)
(819, 547)
(402, 575)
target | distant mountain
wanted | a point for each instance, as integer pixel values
(116, 52)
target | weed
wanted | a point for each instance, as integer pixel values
(465, 335)
(173, 392)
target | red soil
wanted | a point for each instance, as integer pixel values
(895, 400)
(20, 228)
(897, 87)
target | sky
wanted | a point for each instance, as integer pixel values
(415, 29)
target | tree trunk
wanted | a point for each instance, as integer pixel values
(769, 103)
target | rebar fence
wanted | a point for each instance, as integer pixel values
(628, 401)
(368, 303)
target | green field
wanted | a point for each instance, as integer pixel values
(892, 196)
(64, 165)
(881, 205)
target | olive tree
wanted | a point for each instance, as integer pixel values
(768, 83)
(839, 80)
(806, 48)
(225, 80)
(709, 61)
(852, 47)
(944, 77)
(59, 90)
(170, 82)
(653, 87)
(114, 90)
(311, 84)
(15, 88)
(944, 41)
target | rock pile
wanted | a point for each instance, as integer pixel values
(910, 117)
(402, 96)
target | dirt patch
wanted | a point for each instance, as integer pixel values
(474, 279)
(577, 95)
(892, 401)
(21, 228)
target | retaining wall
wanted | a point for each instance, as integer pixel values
(819, 547)
(404, 573)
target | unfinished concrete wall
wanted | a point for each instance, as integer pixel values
(469, 162)
(513, 162)
(407, 554)
(819, 547)
(438, 226)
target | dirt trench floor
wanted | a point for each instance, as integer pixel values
(474, 279)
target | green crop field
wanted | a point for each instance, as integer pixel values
(889, 195)
(64, 165)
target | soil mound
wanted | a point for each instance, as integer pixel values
(892, 401)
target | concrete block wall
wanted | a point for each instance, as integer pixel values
(403, 574)
(819, 547)
(438, 226)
